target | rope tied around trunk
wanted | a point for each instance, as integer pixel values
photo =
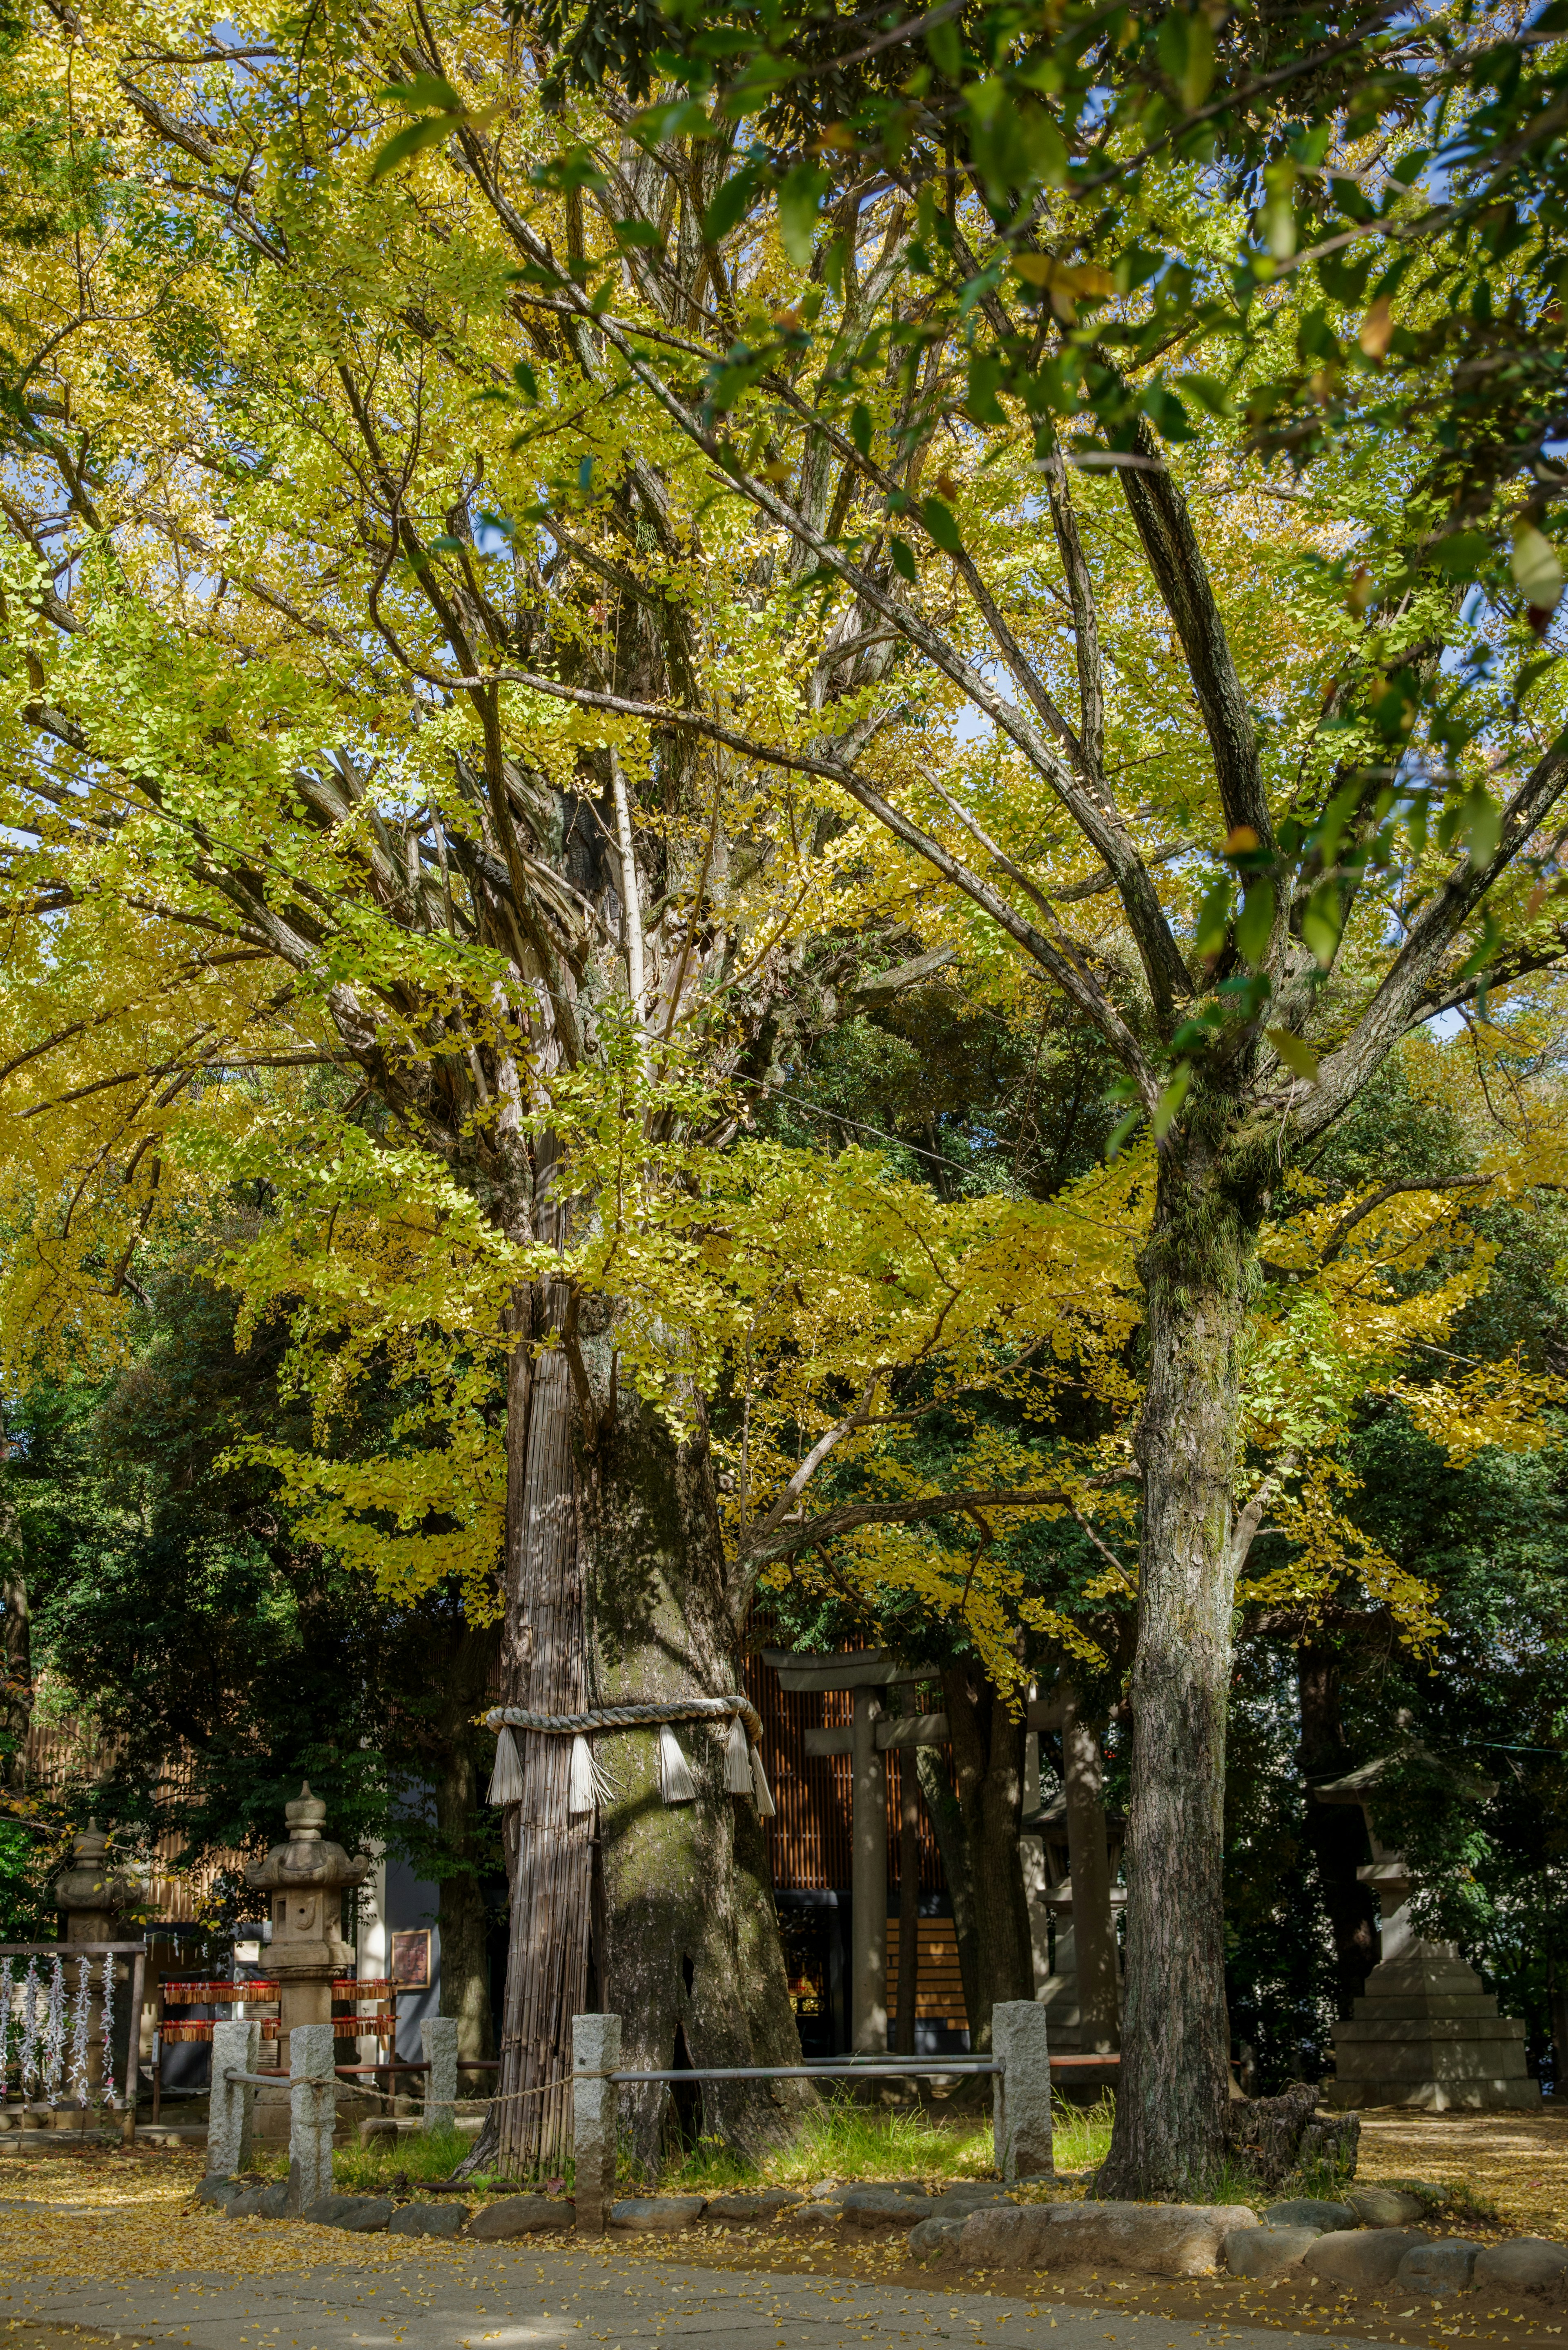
(589, 1785)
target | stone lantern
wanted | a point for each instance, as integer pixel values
(92, 1892)
(1426, 2031)
(305, 1879)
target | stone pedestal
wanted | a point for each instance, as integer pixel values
(1426, 2032)
(304, 1880)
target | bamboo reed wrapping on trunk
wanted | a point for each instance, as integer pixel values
(550, 1855)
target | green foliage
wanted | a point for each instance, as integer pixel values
(171, 1598)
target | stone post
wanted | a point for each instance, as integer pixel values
(237, 2047)
(438, 2046)
(1021, 2104)
(595, 2116)
(305, 1879)
(312, 2102)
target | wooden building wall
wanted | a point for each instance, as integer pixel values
(808, 1841)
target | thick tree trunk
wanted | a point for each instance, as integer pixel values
(947, 1826)
(1337, 1833)
(1089, 1866)
(692, 1962)
(1168, 2140)
(544, 1667)
(617, 1593)
(988, 1767)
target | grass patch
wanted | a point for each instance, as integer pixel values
(1453, 2199)
(1081, 2135)
(844, 2139)
(383, 2169)
(416, 2155)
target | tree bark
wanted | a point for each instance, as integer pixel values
(1335, 1833)
(1089, 1866)
(1169, 2139)
(947, 1826)
(692, 1954)
(988, 1768)
(617, 1593)
(545, 1660)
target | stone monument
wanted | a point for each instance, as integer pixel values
(304, 1880)
(1426, 2032)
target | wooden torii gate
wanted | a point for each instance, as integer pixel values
(865, 1674)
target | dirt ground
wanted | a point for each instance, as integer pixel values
(1518, 2162)
(1506, 2174)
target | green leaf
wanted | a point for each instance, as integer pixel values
(1213, 916)
(528, 383)
(800, 192)
(903, 559)
(1120, 1131)
(1480, 824)
(1170, 1100)
(728, 206)
(1320, 923)
(860, 427)
(412, 140)
(423, 91)
(987, 373)
(637, 232)
(1255, 923)
(939, 520)
(1462, 553)
(1536, 567)
(1295, 1053)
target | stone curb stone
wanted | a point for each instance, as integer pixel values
(1527, 2260)
(880, 2206)
(362, 2215)
(1370, 2256)
(1267, 2250)
(1443, 2267)
(1382, 2207)
(814, 2214)
(648, 2215)
(1307, 2211)
(218, 2189)
(1154, 2239)
(426, 2219)
(520, 2215)
(260, 2202)
(932, 2239)
(735, 2210)
(957, 2202)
